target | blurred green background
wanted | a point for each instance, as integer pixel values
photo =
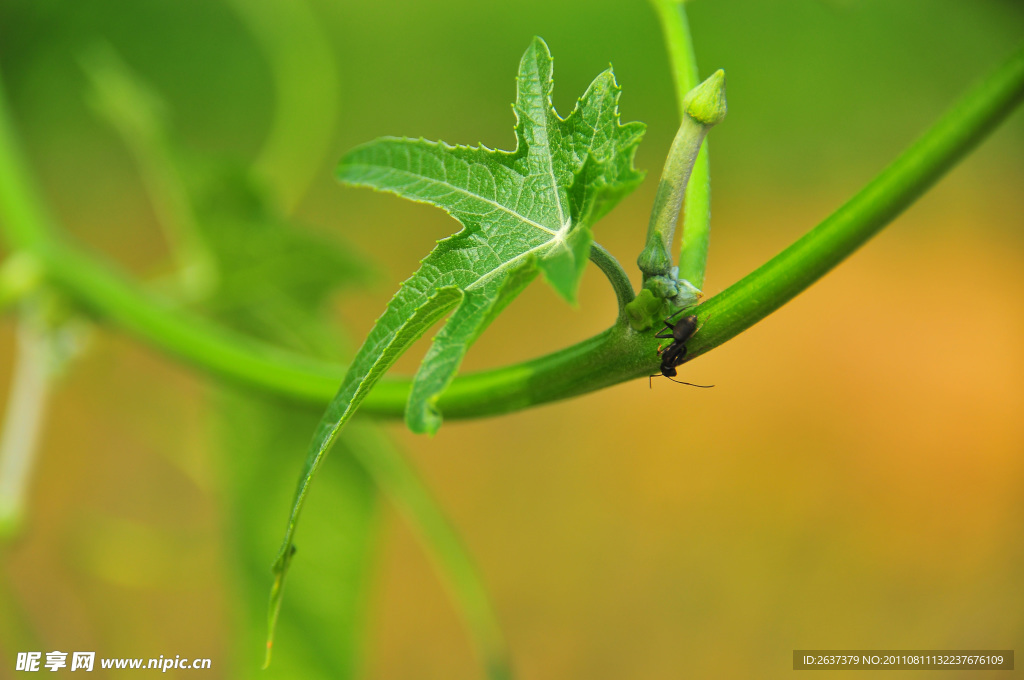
(855, 480)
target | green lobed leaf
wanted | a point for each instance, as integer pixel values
(273, 282)
(523, 212)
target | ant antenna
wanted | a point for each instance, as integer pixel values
(650, 382)
(704, 387)
(677, 312)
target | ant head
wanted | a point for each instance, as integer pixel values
(684, 328)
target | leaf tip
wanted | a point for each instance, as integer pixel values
(280, 569)
(266, 656)
(538, 43)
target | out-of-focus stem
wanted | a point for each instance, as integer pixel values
(23, 421)
(398, 479)
(137, 115)
(305, 81)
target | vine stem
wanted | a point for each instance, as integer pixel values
(614, 356)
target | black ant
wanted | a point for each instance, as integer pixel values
(675, 353)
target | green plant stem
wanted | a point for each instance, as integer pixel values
(135, 113)
(696, 231)
(20, 275)
(617, 276)
(22, 217)
(614, 356)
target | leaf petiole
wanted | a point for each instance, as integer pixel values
(617, 276)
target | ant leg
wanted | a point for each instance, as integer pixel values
(678, 356)
(667, 332)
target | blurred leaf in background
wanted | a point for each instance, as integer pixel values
(321, 631)
(250, 268)
(253, 270)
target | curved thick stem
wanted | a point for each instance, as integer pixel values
(614, 356)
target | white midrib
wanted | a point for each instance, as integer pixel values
(558, 241)
(559, 236)
(551, 175)
(464, 192)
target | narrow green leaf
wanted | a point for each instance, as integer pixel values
(523, 212)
